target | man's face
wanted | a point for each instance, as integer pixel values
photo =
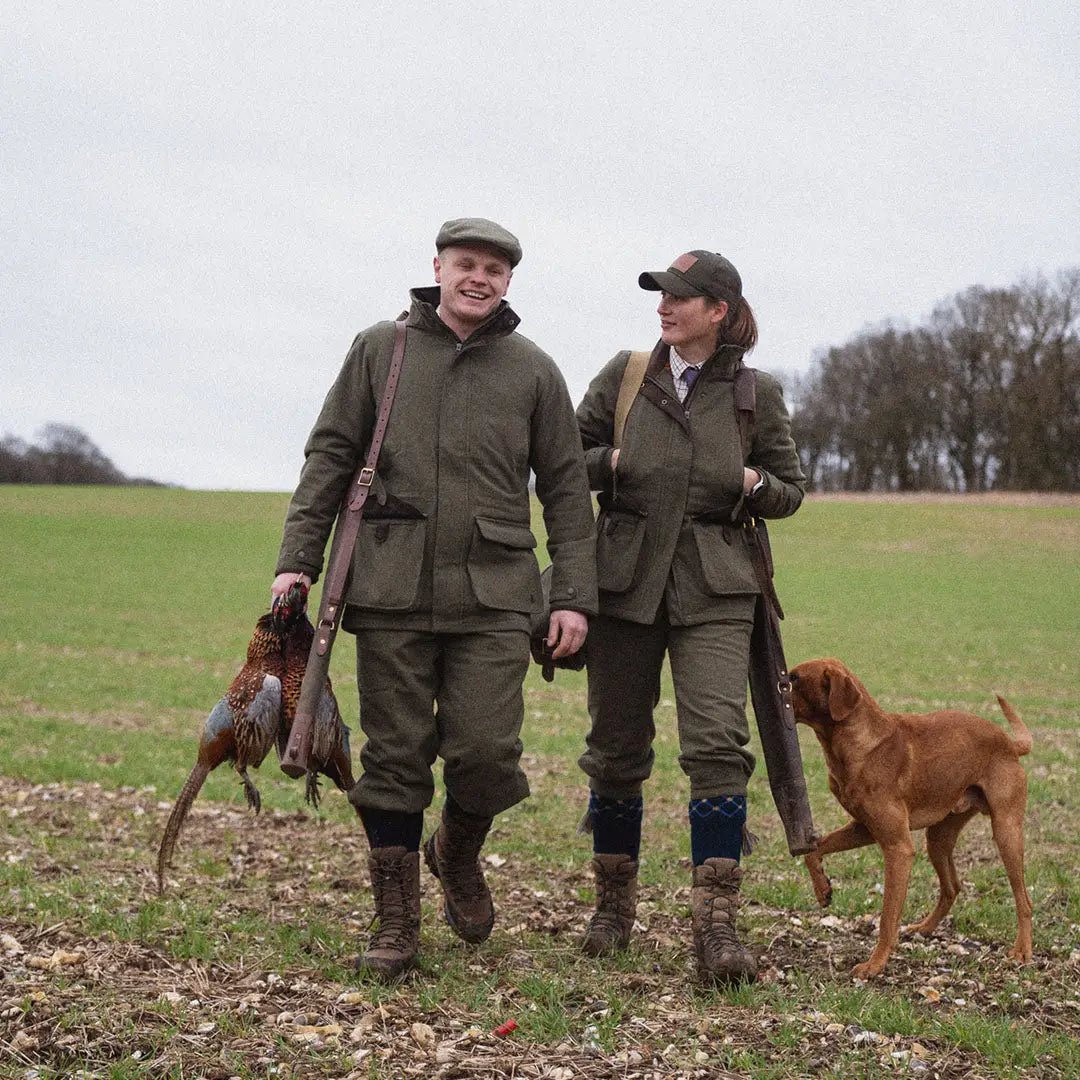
(473, 280)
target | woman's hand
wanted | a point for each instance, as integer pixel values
(614, 459)
(749, 478)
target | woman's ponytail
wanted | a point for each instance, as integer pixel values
(739, 326)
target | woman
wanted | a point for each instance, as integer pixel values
(676, 577)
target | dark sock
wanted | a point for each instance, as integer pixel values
(392, 828)
(616, 825)
(716, 827)
(453, 810)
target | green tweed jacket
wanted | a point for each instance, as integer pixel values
(666, 530)
(446, 543)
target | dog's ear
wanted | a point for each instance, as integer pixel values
(844, 694)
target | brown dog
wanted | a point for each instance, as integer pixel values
(895, 772)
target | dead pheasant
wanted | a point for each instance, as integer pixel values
(258, 709)
(330, 753)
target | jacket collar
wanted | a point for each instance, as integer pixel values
(725, 360)
(423, 313)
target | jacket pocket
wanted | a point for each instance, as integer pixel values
(502, 567)
(390, 507)
(386, 563)
(726, 568)
(619, 536)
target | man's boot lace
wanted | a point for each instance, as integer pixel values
(395, 886)
(714, 900)
(452, 854)
(616, 903)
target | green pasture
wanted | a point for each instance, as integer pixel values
(127, 611)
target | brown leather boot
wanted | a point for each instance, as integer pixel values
(395, 885)
(616, 902)
(452, 854)
(714, 900)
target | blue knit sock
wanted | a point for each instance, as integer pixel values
(716, 827)
(616, 825)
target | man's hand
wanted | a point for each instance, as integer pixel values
(566, 632)
(284, 582)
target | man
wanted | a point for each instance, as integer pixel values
(444, 577)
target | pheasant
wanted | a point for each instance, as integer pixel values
(330, 754)
(257, 711)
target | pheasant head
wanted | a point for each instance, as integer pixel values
(289, 608)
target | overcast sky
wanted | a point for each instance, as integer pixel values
(204, 202)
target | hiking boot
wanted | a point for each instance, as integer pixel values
(616, 901)
(395, 885)
(714, 900)
(452, 854)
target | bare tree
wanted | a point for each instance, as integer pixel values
(985, 396)
(71, 457)
(18, 465)
(972, 337)
(868, 415)
(62, 454)
(1038, 447)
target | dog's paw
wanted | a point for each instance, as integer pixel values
(1021, 954)
(925, 928)
(867, 970)
(823, 892)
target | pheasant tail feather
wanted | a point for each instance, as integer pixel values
(191, 788)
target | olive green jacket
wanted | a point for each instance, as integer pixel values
(666, 530)
(445, 543)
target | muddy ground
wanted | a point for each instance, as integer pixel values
(123, 1002)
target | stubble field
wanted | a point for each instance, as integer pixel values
(127, 614)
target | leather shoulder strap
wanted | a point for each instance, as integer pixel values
(633, 374)
(745, 394)
(352, 509)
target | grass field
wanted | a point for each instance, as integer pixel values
(127, 612)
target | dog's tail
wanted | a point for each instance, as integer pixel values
(1021, 735)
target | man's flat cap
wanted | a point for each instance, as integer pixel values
(479, 232)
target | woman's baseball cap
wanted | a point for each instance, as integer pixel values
(697, 273)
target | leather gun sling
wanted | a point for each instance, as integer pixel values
(295, 761)
(770, 683)
(352, 510)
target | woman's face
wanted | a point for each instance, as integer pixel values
(690, 322)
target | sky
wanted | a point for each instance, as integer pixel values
(203, 203)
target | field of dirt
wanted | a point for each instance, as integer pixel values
(71, 1000)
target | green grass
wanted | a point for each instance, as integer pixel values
(128, 611)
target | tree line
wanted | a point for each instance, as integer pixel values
(984, 397)
(61, 454)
